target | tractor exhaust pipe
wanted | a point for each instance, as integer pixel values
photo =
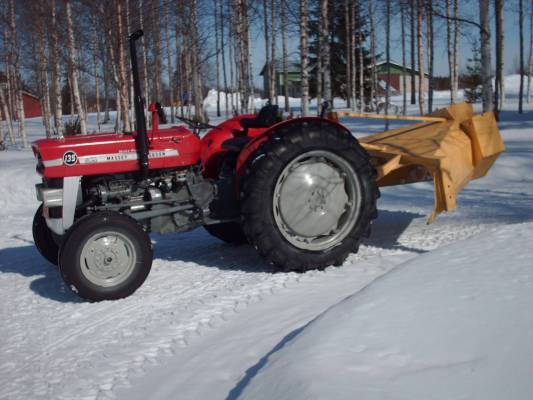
(141, 139)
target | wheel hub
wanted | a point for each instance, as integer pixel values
(316, 200)
(107, 258)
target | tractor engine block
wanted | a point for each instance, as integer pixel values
(167, 202)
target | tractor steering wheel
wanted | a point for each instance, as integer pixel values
(197, 125)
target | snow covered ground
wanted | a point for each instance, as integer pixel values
(212, 319)
(454, 323)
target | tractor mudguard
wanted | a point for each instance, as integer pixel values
(258, 139)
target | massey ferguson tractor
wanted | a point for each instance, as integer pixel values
(302, 191)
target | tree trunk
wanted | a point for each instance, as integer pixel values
(486, 70)
(348, 51)
(217, 56)
(430, 51)
(73, 74)
(413, 54)
(123, 77)
(404, 78)
(530, 60)
(17, 80)
(43, 70)
(273, 74)
(521, 33)
(144, 57)
(56, 74)
(196, 68)
(387, 55)
(169, 66)
(96, 74)
(373, 82)
(9, 122)
(156, 24)
(354, 11)
(360, 60)
(267, 49)
(222, 47)
(449, 41)
(304, 56)
(283, 7)
(421, 73)
(325, 50)
(456, 43)
(498, 15)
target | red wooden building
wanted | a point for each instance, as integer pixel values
(32, 105)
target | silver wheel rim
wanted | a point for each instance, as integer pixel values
(107, 259)
(317, 200)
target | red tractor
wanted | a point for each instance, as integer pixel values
(301, 191)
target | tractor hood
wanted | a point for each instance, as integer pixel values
(108, 153)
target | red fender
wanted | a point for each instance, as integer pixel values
(254, 144)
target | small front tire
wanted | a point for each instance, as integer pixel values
(43, 237)
(105, 256)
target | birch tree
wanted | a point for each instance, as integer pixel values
(530, 59)
(353, 57)
(285, 51)
(413, 9)
(217, 56)
(222, 47)
(450, 48)
(72, 68)
(521, 52)
(42, 69)
(420, 48)
(486, 71)
(170, 69)
(325, 52)
(273, 74)
(430, 51)
(387, 54)
(304, 56)
(348, 51)
(404, 77)
(373, 80)
(14, 67)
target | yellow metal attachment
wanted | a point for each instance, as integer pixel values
(452, 146)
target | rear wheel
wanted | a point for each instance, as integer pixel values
(309, 196)
(43, 237)
(105, 256)
(229, 232)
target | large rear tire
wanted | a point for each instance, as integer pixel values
(44, 238)
(105, 256)
(308, 196)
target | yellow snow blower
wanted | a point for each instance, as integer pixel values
(451, 146)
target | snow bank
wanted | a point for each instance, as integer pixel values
(451, 324)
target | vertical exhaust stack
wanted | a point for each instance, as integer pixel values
(141, 139)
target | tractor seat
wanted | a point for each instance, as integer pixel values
(267, 116)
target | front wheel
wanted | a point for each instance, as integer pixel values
(309, 196)
(105, 256)
(44, 238)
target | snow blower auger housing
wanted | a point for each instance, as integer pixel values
(302, 191)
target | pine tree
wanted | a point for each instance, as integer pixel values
(337, 43)
(472, 79)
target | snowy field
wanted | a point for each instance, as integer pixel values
(435, 311)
